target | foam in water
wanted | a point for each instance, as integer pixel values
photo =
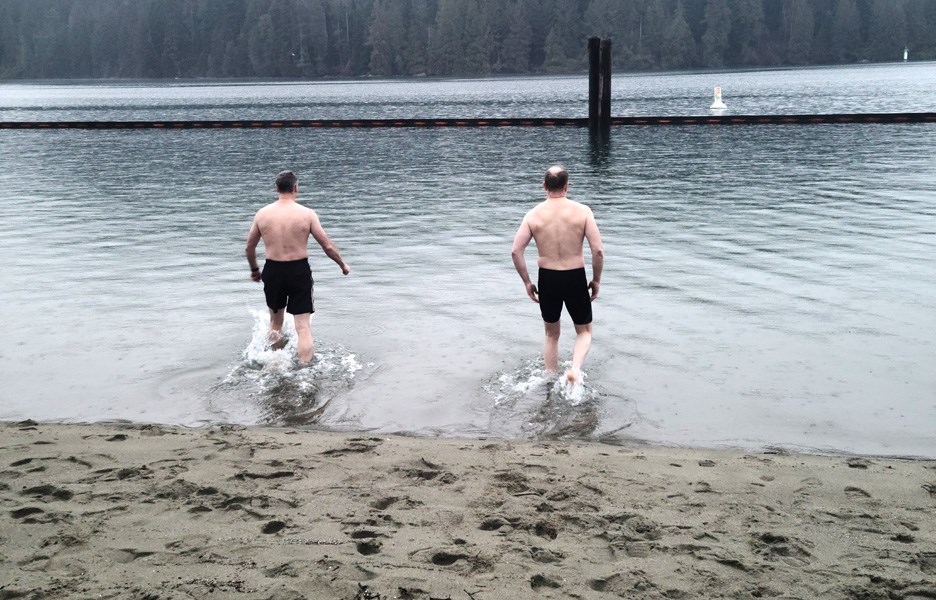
(574, 391)
(530, 402)
(532, 376)
(289, 393)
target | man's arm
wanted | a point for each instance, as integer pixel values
(521, 241)
(318, 232)
(597, 251)
(253, 238)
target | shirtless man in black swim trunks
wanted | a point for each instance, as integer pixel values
(559, 226)
(285, 226)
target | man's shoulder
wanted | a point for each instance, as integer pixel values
(582, 207)
(291, 208)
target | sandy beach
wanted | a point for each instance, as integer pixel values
(147, 512)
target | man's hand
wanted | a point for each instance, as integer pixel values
(593, 286)
(345, 269)
(256, 275)
(531, 291)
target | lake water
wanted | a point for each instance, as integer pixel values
(765, 286)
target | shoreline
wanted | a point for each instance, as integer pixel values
(604, 440)
(128, 510)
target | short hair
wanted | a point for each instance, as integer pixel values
(286, 182)
(556, 178)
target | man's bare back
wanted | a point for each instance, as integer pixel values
(559, 226)
(285, 226)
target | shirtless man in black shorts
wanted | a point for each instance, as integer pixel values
(285, 226)
(559, 226)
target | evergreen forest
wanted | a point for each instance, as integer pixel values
(50, 39)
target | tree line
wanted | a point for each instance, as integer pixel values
(386, 38)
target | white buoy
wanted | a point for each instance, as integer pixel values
(718, 104)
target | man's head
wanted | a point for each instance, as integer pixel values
(286, 182)
(556, 179)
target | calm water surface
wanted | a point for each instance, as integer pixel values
(863, 88)
(764, 286)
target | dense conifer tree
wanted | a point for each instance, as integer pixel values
(889, 35)
(653, 34)
(717, 30)
(846, 32)
(678, 46)
(347, 38)
(387, 38)
(747, 32)
(519, 41)
(801, 24)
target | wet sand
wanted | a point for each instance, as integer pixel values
(116, 511)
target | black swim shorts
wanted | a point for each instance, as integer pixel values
(288, 284)
(568, 287)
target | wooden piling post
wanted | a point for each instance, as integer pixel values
(594, 81)
(604, 110)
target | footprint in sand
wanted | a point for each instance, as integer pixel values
(774, 546)
(546, 530)
(856, 493)
(245, 475)
(47, 493)
(355, 446)
(125, 555)
(31, 515)
(496, 522)
(927, 562)
(22, 513)
(427, 471)
(384, 503)
(273, 527)
(369, 547)
(808, 484)
(542, 581)
(545, 556)
(514, 482)
(624, 584)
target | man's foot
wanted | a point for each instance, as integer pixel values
(278, 341)
(573, 375)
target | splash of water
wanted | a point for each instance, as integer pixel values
(531, 402)
(286, 392)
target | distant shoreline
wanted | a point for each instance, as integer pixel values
(430, 78)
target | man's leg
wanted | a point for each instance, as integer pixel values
(583, 340)
(551, 347)
(276, 328)
(305, 345)
(579, 305)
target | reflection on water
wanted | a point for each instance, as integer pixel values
(764, 285)
(599, 150)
